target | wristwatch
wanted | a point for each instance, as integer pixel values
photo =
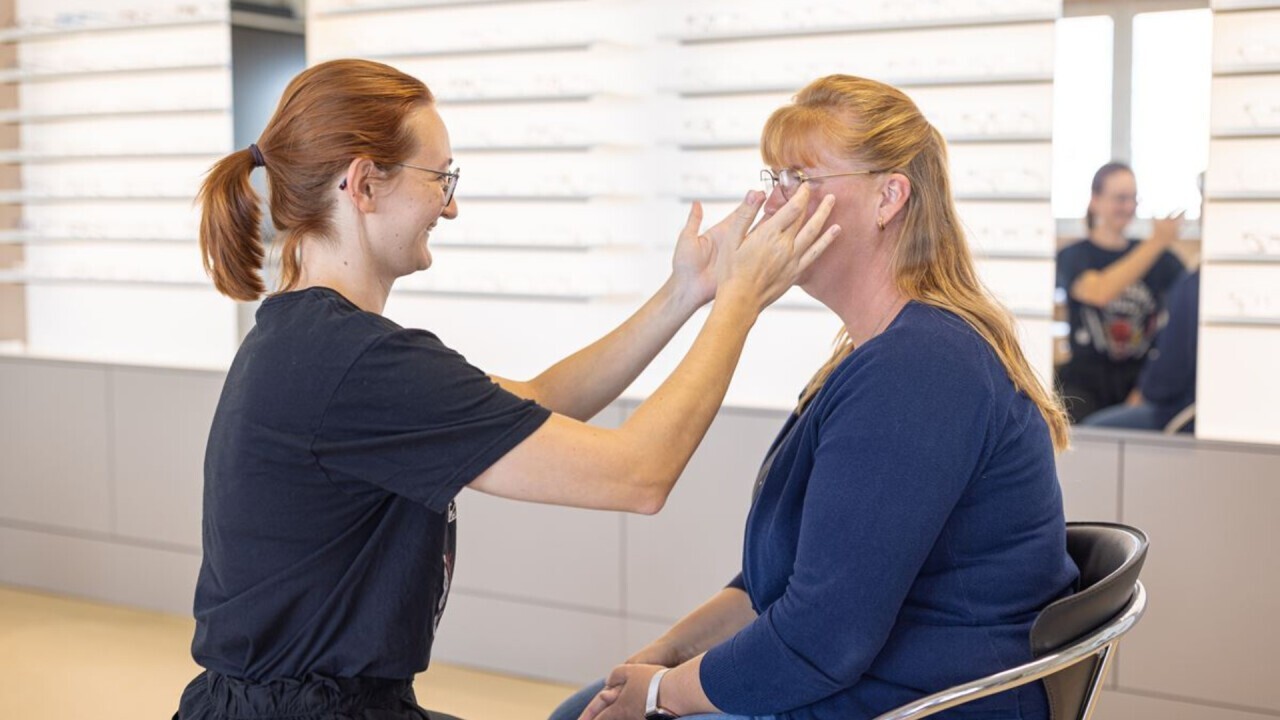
(652, 710)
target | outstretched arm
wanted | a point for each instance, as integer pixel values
(583, 384)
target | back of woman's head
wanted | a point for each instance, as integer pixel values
(1099, 184)
(882, 129)
(329, 115)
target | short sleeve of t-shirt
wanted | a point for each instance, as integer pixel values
(414, 417)
(1070, 265)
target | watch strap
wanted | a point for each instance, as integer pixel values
(651, 706)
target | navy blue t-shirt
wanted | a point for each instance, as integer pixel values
(1124, 330)
(338, 445)
(908, 528)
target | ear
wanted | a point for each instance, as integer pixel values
(893, 197)
(360, 184)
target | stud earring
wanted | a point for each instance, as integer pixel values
(880, 223)
(342, 185)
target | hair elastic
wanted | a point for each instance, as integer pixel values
(258, 160)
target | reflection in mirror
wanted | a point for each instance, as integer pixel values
(1127, 284)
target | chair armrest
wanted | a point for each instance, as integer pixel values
(1044, 666)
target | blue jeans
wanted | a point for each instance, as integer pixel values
(570, 709)
(1128, 417)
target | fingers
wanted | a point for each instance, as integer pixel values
(788, 214)
(808, 233)
(694, 223)
(602, 700)
(745, 213)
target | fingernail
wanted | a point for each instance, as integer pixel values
(835, 230)
(829, 199)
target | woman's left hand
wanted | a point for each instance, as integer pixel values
(624, 694)
(693, 266)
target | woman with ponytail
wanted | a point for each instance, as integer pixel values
(341, 439)
(907, 524)
(1116, 289)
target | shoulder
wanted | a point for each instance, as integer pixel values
(1075, 259)
(925, 352)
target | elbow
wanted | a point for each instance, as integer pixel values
(650, 488)
(650, 503)
(649, 493)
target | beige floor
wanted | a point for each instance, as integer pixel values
(66, 658)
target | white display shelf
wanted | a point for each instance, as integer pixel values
(1235, 70)
(25, 34)
(1244, 196)
(532, 148)
(905, 83)
(14, 117)
(958, 197)
(1242, 259)
(1237, 133)
(381, 7)
(695, 146)
(860, 28)
(513, 49)
(1249, 322)
(17, 197)
(1224, 6)
(19, 75)
(16, 157)
(443, 100)
(27, 238)
(21, 277)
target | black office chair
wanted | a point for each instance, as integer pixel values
(1073, 639)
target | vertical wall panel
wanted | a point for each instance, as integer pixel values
(47, 409)
(1238, 388)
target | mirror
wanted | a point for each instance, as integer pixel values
(1127, 280)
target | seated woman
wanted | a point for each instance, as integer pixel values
(1116, 288)
(341, 439)
(907, 525)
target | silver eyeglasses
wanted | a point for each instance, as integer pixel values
(790, 180)
(450, 179)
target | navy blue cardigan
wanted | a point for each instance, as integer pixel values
(903, 539)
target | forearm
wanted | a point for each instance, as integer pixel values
(665, 429)
(1099, 287)
(713, 622)
(583, 384)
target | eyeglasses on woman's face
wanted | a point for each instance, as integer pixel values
(789, 180)
(449, 178)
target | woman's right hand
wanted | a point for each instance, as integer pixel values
(771, 258)
(1166, 230)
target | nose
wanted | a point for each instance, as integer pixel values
(450, 211)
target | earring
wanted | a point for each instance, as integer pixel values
(342, 185)
(880, 223)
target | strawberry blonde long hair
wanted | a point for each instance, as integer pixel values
(879, 125)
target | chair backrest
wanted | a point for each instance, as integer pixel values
(1109, 557)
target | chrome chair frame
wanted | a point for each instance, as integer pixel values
(1100, 643)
